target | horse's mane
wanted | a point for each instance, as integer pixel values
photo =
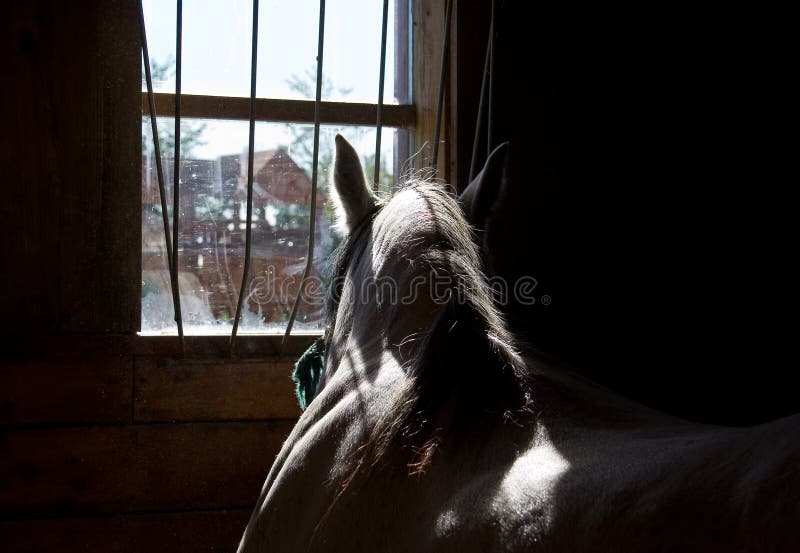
(466, 370)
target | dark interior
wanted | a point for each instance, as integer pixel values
(654, 154)
(652, 165)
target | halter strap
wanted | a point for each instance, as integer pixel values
(307, 372)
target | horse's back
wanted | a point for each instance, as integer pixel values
(600, 473)
(554, 483)
(675, 488)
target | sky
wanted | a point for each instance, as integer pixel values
(216, 53)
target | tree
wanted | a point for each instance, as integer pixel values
(302, 145)
(191, 132)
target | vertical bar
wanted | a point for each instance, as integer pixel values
(312, 218)
(176, 176)
(250, 154)
(440, 102)
(156, 143)
(379, 124)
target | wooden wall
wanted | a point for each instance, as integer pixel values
(118, 451)
(109, 442)
(70, 150)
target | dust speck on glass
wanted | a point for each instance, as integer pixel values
(213, 164)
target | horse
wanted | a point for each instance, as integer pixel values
(432, 429)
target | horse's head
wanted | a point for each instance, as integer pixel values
(409, 292)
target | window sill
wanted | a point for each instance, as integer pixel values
(218, 346)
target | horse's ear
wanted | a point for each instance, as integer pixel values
(354, 200)
(481, 195)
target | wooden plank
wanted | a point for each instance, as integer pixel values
(47, 347)
(428, 20)
(213, 391)
(288, 111)
(199, 532)
(119, 220)
(248, 346)
(66, 391)
(30, 292)
(69, 471)
(71, 157)
(95, 83)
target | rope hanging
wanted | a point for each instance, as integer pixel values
(250, 155)
(312, 217)
(440, 101)
(483, 108)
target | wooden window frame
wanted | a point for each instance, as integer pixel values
(424, 27)
(280, 111)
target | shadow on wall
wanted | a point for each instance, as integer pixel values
(651, 204)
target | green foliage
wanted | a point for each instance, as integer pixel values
(302, 142)
(386, 178)
(306, 85)
(292, 216)
(191, 132)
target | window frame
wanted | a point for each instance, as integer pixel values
(423, 28)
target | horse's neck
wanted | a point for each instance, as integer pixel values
(390, 311)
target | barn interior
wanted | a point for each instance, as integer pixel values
(653, 152)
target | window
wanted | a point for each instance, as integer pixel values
(214, 143)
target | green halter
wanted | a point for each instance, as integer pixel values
(307, 371)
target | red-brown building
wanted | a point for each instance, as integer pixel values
(212, 229)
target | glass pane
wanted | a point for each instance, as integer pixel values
(213, 194)
(351, 67)
(216, 48)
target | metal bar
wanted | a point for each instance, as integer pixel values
(473, 165)
(176, 195)
(156, 144)
(312, 218)
(440, 102)
(281, 111)
(379, 122)
(250, 153)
